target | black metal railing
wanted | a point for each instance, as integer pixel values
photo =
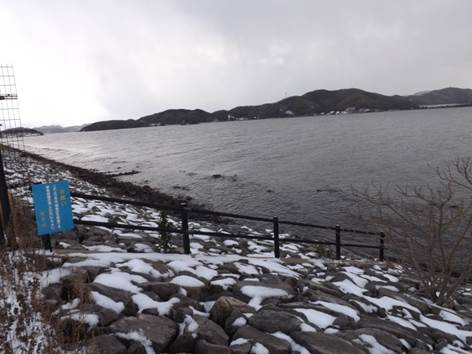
(184, 212)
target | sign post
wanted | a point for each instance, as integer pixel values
(52, 209)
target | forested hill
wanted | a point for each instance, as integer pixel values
(311, 103)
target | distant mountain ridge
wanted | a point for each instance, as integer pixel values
(50, 129)
(318, 102)
(448, 95)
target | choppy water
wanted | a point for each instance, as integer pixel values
(293, 168)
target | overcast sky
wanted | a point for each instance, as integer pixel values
(82, 61)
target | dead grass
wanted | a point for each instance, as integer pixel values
(28, 324)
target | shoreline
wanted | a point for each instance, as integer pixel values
(115, 186)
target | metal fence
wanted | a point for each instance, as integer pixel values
(185, 211)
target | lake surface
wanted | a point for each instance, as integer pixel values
(294, 168)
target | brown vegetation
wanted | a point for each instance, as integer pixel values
(429, 228)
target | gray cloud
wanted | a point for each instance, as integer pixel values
(80, 61)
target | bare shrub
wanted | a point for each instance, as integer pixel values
(428, 228)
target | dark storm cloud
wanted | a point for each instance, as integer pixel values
(121, 59)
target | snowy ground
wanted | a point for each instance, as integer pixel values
(232, 296)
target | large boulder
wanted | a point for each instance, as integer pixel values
(224, 306)
(210, 332)
(161, 331)
(321, 343)
(275, 321)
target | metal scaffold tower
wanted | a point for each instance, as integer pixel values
(11, 137)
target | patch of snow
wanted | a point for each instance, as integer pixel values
(91, 319)
(142, 247)
(53, 276)
(353, 270)
(120, 280)
(230, 243)
(259, 293)
(104, 248)
(402, 322)
(295, 346)
(452, 317)
(246, 269)
(106, 302)
(274, 266)
(225, 283)
(206, 272)
(187, 265)
(139, 266)
(95, 218)
(239, 341)
(71, 305)
(138, 337)
(388, 303)
(391, 278)
(145, 302)
(349, 287)
(258, 348)
(446, 327)
(189, 325)
(240, 321)
(356, 279)
(307, 328)
(187, 281)
(318, 318)
(348, 311)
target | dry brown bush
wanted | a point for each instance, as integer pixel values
(428, 228)
(27, 323)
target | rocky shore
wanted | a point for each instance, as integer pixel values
(115, 292)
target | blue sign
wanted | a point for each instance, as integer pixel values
(52, 207)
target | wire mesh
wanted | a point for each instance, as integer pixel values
(11, 130)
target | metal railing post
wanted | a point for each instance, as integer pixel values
(382, 247)
(185, 234)
(276, 237)
(338, 242)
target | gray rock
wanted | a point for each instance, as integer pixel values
(210, 331)
(321, 343)
(275, 321)
(184, 343)
(136, 348)
(164, 290)
(273, 344)
(241, 348)
(224, 306)
(107, 344)
(203, 347)
(344, 322)
(159, 330)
